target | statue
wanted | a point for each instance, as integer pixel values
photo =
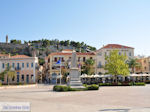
(74, 73)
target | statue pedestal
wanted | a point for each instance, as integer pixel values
(75, 78)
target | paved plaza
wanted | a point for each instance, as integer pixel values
(106, 99)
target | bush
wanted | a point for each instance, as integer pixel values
(60, 88)
(105, 84)
(139, 84)
(93, 87)
(116, 84)
(0, 83)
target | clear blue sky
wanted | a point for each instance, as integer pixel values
(96, 22)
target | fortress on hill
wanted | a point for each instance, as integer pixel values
(6, 47)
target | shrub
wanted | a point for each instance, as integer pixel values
(60, 88)
(93, 87)
(105, 84)
(139, 84)
(0, 83)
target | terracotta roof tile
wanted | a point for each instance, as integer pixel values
(4, 54)
(20, 56)
(116, 46)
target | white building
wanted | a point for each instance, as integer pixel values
(105, 50)
(24, 66)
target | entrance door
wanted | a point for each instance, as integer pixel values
(27, 79)
(17, 77)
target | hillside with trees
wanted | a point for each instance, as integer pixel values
(43, 47)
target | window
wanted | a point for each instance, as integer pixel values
(22, 77)
(99, 65)
(22, 65)
(62, 59)
(48, 60)
(119, 53)
(55, 59)
(13, 65)
(17, 65)
(3, 65)
(84, 59)
(129, 53)
(105, 53)
(91, 58)
(32, 65)
(100, 54)
(32, 76)
(78, 59)
(27, 65)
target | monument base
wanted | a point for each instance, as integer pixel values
(76, 84)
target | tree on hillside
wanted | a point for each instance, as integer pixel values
(133, 63)
(116, 64)
(45, 42)
(88, 67)
(15, 41)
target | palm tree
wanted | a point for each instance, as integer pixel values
(9, 72)
(133, 63)
(88, 67)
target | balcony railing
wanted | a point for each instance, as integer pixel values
(17, 68)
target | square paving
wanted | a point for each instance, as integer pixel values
(106, 99)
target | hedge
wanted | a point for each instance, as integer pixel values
(123, 84)
(60, 88)
(139, 84)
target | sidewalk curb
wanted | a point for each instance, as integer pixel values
(17, 86)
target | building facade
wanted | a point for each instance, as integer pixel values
(144, 65)
(65, 57)
(105, 50)
(24, 66)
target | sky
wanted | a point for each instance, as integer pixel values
(95, 22)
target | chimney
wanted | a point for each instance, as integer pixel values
(7, 39)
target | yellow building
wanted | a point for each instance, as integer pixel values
(24, 66)
(144, 65)
(105, 50)
(65, 57)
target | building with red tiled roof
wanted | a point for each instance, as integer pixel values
(24, 66)
(65, 57)
(105, 50)
(4, 55)
(116, 46)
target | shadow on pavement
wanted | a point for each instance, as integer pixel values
(114, 110)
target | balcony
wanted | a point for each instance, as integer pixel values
(17, 68)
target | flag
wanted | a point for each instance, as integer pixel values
(58, 62)
(79, 65)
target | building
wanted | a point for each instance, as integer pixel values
(24, 66)
(105, 50)
(144, 65)
(2, 56)
(65, 57)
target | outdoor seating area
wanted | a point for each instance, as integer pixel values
(96, 79)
